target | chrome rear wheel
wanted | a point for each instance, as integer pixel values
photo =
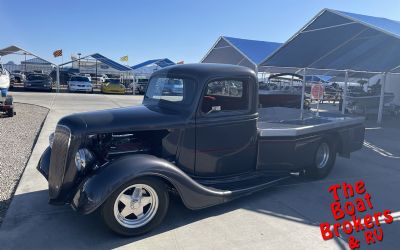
(322, 155)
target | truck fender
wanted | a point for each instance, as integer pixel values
(96, 188)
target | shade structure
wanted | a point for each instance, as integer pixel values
(16, 50)
(36, 61)
(109, 62)
(237, 51)
(341, 44)
(336, 40)
(162, 63)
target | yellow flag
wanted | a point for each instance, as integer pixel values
(124, 59)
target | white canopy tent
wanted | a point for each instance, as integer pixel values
(15, 50)
(342, 44)
(238, 51)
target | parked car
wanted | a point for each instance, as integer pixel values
(97, 79)
(19, 76)
(208, 148)
(12, 81)
(141, 85)
(38, 82)
(113, 86)
(172, 87)
(79, 83)
(64, 76)
(6, 100)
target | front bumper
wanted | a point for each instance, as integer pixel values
(39, 87)
(81, 88)
(44, 163)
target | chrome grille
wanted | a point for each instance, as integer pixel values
(58, 159)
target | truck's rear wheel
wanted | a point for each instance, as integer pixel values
(136, 207)
(324, 159)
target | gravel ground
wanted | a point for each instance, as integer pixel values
(17, 137)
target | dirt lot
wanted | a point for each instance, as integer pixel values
(17, 138)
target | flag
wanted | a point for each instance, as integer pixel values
(124, 59)
(180, 62)
(57, 53)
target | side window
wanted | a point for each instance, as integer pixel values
(225, 95)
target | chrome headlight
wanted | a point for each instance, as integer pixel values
(83, 158)
(51, 139)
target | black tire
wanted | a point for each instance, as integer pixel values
(321, 168)
(9, 100)
(107, 210)
(10, 112)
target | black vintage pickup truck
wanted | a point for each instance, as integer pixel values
(200, 135)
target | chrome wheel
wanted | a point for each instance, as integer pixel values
(322, 156)
(136, 206)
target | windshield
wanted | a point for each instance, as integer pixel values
(141, 81)
(170, 90)
(79, 79)
(113, 81)
(38, 77)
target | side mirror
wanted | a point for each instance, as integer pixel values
(214, 109)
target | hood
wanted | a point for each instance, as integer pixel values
(124, 119)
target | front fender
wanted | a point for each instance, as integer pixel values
(96, 188)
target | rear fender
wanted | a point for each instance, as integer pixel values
(95, 189)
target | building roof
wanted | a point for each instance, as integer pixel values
(336, 40)
(162, 63)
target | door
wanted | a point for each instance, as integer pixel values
(226, 129)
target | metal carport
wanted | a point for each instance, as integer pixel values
(97, 58)
(15, 50)
(341, 43)
(237, 51)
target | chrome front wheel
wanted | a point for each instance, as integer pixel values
(136, 206)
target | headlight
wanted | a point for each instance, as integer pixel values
(83, 158)
(51, 139)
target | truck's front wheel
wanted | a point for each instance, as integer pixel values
(324, 159)
(136, 207)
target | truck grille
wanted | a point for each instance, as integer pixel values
(58, 159)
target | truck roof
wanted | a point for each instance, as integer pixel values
(207, 70)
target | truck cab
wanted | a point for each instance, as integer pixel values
(198, 134)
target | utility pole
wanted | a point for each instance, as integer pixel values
(79, 62)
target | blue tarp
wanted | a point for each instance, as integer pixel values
(318, 78)
(336, 40)
(159, 62)
(110, 62)
(253, 49)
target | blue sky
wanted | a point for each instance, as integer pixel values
(177, 29)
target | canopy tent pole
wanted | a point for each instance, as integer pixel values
(58, 79)
(380, 112)
(344, 97)
(291, 82)
(302, 95)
